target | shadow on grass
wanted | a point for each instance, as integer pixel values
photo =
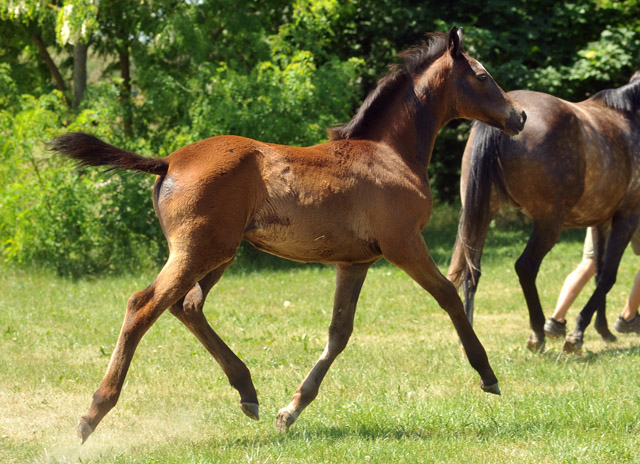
(588, 356)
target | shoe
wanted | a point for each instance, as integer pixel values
(622, 326)
(554, 328)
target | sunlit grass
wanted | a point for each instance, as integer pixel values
(401, 391)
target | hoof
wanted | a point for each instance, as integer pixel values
(285, 419)
(535, 344)
(251, 410)
(572, 344)
(495, 389)
(84, 429)
(607, 336)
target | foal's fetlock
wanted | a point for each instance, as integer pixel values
(285, 419)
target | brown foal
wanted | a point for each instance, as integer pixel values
(361, 196)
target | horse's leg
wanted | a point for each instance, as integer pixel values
(143, 309)
(622, 229)
(414, 258)
(349, 280)
(189, 311)
(466, 258)
(543, 237)
(599, 246)
(469, 288)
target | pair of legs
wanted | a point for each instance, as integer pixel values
(575, 282)
(183, 284)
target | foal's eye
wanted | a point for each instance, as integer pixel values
(482, 77)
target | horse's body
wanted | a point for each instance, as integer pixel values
(575, 165)
(358, 197)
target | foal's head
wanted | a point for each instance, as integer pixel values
(470, 89)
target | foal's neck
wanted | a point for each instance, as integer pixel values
(419, 114)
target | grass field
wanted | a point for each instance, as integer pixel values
(400, 393)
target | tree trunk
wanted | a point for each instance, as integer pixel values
(125, 91)
(53, 69)
(79, 72)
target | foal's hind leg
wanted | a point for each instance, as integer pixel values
(143, 309)
(189, 311)
(349, 280)
(413, 257)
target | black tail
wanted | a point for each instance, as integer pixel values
(477, 213)
(88, 150)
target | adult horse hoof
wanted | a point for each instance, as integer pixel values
(251, 410)
(607, 336)
(572, 344)
(84, 429)
(495, 389)
(535, 344)
(285, 419)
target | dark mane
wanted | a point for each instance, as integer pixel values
(415, 60)
(625, 98)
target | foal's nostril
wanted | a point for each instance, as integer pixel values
(524, 117)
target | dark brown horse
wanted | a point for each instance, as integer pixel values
(575, 165)
(350, 201)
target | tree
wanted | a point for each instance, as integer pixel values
(277, 70)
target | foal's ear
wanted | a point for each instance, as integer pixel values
(455, 41)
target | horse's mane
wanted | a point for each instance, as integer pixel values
(625, 98)
(415, 60)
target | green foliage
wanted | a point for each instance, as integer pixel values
(279, 71)
(76, 21)
(78, 223)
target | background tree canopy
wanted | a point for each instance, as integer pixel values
(153, 75)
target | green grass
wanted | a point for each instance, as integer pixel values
(401, 391)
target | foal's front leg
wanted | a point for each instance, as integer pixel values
(349, 280)
(413, 257)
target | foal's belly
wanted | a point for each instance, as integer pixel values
(311, 239)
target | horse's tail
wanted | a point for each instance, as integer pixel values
(483, 178)
(88, 150)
